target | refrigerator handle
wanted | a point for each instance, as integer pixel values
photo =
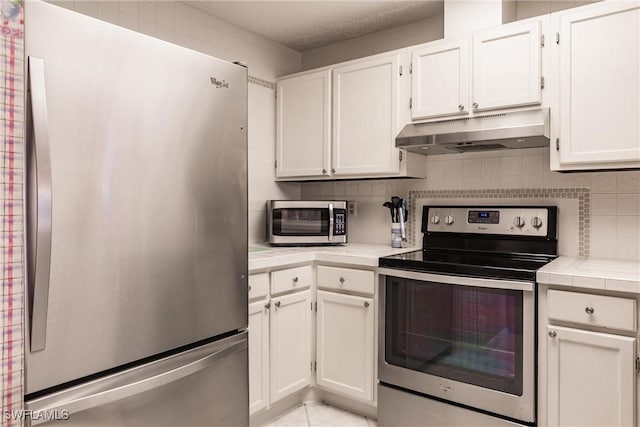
(80, 400)
(42, 207)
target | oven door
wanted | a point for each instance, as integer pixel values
(466, 340)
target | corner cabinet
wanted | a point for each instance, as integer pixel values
(596, 109)
(341, 122)
(494, 69)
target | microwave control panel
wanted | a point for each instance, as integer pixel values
(340, 222)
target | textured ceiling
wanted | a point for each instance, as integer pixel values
(303, 25)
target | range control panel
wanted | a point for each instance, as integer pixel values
(518, 221)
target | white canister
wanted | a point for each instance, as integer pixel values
(396, 235)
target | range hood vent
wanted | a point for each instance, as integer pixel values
(520, 129)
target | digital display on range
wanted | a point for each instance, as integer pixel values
(484, 217)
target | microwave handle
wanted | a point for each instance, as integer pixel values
(330, 222)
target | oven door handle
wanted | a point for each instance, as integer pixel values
(458, 280)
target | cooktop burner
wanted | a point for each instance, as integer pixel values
(505, 242)
(517, 267)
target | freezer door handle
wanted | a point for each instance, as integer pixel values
(40, 207)
(126, 384)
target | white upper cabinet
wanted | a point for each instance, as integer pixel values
(507, 67)
(365, 117)
(498, 68)
(303, 130)
(440, 84)
(596, 110)
(341, 122)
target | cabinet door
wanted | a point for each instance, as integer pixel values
(507, 67)
(303, 127)
(598, 60)
(365, 117)
(258, 356)
(345, 345)
(290, 340)
(591, 378)
(440, 79)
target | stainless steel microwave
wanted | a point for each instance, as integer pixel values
(304, 222)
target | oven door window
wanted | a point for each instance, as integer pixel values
(467, 334)
(301, 222)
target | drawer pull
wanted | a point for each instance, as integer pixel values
(552, 334)
(342, 280)
(589, 310)
(278, 303)
(295, 279)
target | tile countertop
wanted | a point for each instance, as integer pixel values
(359, 254)
(592, 273)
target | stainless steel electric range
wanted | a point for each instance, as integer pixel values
(457, 322)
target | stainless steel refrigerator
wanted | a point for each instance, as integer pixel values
(137, 228)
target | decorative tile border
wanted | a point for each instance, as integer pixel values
(261, 82)
(582, 195)
(11, 198)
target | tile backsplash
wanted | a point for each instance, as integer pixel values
(605, 224)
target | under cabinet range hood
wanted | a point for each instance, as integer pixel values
(520, 129)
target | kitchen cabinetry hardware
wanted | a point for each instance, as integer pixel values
(324, 171)
(475, 105)
(278, 303)
(552, 334)
(275, 164)
(542, 40)
(401, 70)
(637, 364)
(541, 82)
(249, 288)
(267, 305)
(557, 38)
(366, 304)
(461, 107)
(341, 280)
(315, 366)
(410, 102)
(333, 170)
(589, 310)
(296, 279)
(557, 144)
(400, 156)
(411, 68)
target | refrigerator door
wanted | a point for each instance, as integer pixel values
(148, 201)
(177, 391)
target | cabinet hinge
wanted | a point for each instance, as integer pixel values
(557, 144)
(275, 164)
(400, 155)
(410, 102)
(557, 38)
(315, 366)
(311, 366)
(311, 306)
(637, 364)
(542, 40)
(401, 70)
(541, 82)
(316, 306)
(411, 68)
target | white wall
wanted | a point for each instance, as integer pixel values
(614, 205)
(189, 27)
(395, 38)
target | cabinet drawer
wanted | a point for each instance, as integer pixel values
(291, 279)
(346, 279)
(258, 285)
(594, 310)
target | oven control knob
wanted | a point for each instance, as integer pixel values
(448, 220)
(435, 219)
(518, 222)
(536, 221)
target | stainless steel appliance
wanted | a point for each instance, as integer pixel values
(520, 129)
(457, 318)
(306, 222)
(137, 228)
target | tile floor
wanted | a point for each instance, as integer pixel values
(320, 415)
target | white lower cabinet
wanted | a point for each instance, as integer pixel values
(258, 356)
(345, 344)
(591, 378)
(290, 344)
